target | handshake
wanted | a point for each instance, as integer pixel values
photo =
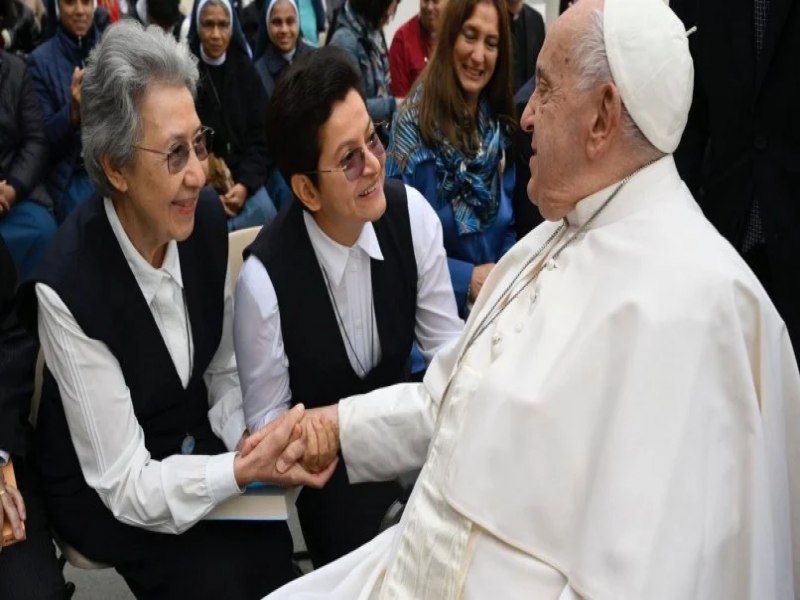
(298, 448)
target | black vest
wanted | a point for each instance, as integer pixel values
(85, 266)
(319, 370)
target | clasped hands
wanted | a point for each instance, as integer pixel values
(298, 448)
(12, 508)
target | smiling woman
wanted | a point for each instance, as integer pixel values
(452, 137)
(141, 409)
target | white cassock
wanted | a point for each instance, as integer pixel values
(626, 429)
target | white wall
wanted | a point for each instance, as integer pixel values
(408, 8)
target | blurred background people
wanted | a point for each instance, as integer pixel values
(279, 42)
(358, 30)
(527, 37)
(141, 416)
(19, 29)
(452, 141)
(413, 44)
(26, 219)
(231, 100)
(739, 153)
(56, 69)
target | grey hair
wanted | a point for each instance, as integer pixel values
(594, 69)
(119, 71)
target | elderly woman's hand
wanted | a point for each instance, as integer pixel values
(12, 507)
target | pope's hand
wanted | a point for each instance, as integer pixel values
(321, 432)
(272, 455)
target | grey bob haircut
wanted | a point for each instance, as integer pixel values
(119, 71)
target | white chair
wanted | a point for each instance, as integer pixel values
(237, 242)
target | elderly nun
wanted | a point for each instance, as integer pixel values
(141, 408)
(231, 99)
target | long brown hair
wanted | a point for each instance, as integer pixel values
(442, 108)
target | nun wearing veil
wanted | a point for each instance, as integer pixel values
(231, 100)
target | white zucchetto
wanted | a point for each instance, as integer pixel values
(648, 53)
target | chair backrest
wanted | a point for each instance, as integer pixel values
(37, 388)
(237, 242)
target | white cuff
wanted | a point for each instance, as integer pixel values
(4, 456)
(220, 478)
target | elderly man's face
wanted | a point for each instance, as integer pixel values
(555, 114)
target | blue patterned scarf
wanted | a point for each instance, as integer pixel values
(470, 184)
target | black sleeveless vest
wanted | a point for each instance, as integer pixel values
(85, 266)
(319, 370)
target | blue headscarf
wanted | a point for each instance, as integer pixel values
(237, 35)
(262, 38)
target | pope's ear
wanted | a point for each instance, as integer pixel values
(114, 174)
(607, 119)
(306, 191)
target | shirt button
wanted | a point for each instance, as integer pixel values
(496, 339)
(550, 264)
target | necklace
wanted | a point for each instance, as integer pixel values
(342, 328)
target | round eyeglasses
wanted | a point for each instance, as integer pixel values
(178, 155)
(352, 165)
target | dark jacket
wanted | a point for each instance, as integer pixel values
(235, 110)
(21, 28)
(741, 141)
(23, 144)
(51, 66)
(527, 39)
(272, 63)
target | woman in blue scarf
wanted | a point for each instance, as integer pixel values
(452, 138)
(231, 100)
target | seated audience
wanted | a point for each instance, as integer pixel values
(19, 29)
(413, 44)
(279, 42)
(359, 32)
(26, 220)
(141, 408)
(335, 290)
(29, 569)
(231, 100)
(621, 418)
(56, 69)
(527, 37)
(452, 141)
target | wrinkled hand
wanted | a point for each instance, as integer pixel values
(272, 455)
(479, 275)
(8, 195)
(12, 507)
(75, 97)
(321, 432)
(233, 201)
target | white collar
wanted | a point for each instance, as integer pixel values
(332, 255)
(147, 276)
(633, 196)
(214, 62)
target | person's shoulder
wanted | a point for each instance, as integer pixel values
(43, 53)
(407, 29)
(532, 14)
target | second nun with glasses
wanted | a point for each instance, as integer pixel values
(366, 274)
(141, 412)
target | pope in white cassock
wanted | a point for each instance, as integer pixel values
(620, 418)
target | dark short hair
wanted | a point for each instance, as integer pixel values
(372, 11)
(163, 12)
(302, 103)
